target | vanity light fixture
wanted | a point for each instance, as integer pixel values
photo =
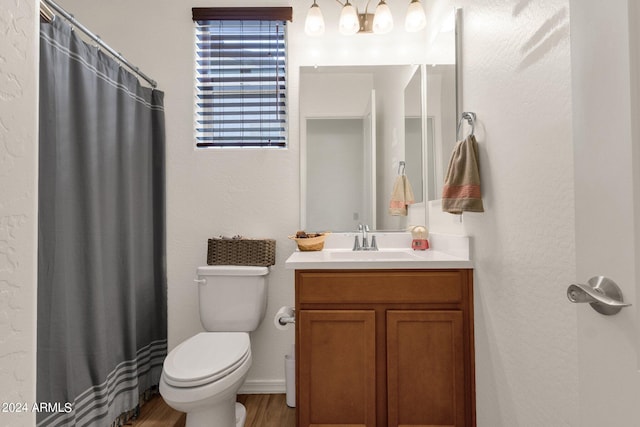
(349, 22)
(352, 21)
(382, 19)
(314, 24)
(416, 19)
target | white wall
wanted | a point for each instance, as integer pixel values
(516, 78)
(18, 206)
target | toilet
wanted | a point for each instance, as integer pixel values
(202, 375)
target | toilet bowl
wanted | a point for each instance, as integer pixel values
(202, 376)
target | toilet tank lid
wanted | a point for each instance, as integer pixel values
(232, 270)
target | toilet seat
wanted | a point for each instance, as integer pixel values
(206, 357)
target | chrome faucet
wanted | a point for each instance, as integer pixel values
(374, 244)
(364, 229)
(356, 244)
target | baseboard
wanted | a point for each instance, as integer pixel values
(263, 387)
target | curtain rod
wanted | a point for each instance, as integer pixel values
(66, 15)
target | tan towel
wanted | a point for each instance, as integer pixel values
(401, 196)
(461, 190)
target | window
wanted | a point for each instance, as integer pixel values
(241, 96)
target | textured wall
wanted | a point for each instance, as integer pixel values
(18, 208)
(516, 76)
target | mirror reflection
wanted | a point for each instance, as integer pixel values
(357, 124)
(413, 134)
(352, 125)
(441, 124)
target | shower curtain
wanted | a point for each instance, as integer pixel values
(102, 323)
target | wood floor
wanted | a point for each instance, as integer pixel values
(156, 413)
(263, 410)
(267, 410)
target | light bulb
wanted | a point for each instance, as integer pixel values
(382, 20)
(314, 23)
(416, 19)
(349, 23)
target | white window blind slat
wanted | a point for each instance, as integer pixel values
(240, 83)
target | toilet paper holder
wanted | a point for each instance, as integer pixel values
(284, 317)
(285, 320)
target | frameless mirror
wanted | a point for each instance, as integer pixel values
(352, 127)
(441, 124)
(414, 134)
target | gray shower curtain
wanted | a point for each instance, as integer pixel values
(102, 323)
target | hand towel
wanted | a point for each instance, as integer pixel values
(461, 190)
(401, 196)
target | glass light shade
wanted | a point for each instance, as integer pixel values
(382, 20)
(314, 23)
(416, 19)
(349, 23)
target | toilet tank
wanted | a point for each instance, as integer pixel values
(232, 298)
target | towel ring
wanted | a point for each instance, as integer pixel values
(470, 117)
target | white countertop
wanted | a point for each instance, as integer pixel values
(394, 253)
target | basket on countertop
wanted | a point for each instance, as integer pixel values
(241, 251)
(308, 244)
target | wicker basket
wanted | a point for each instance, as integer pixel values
(257, 252)
(309, 244)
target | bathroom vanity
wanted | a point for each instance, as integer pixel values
(383, 342)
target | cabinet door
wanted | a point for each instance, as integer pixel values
(425, 368)
(336, 368)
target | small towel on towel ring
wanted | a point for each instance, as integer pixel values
(401, 196)
(461, 190)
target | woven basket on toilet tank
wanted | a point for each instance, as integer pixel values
(241, 251)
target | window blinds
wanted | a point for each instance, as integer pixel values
(240, 83)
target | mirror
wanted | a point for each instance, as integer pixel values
(441, 122)
(352, 140)
(358, 122)
(413, 134)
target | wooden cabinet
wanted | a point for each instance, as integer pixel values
(425, 368)
(384, 348)
(338, 341)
